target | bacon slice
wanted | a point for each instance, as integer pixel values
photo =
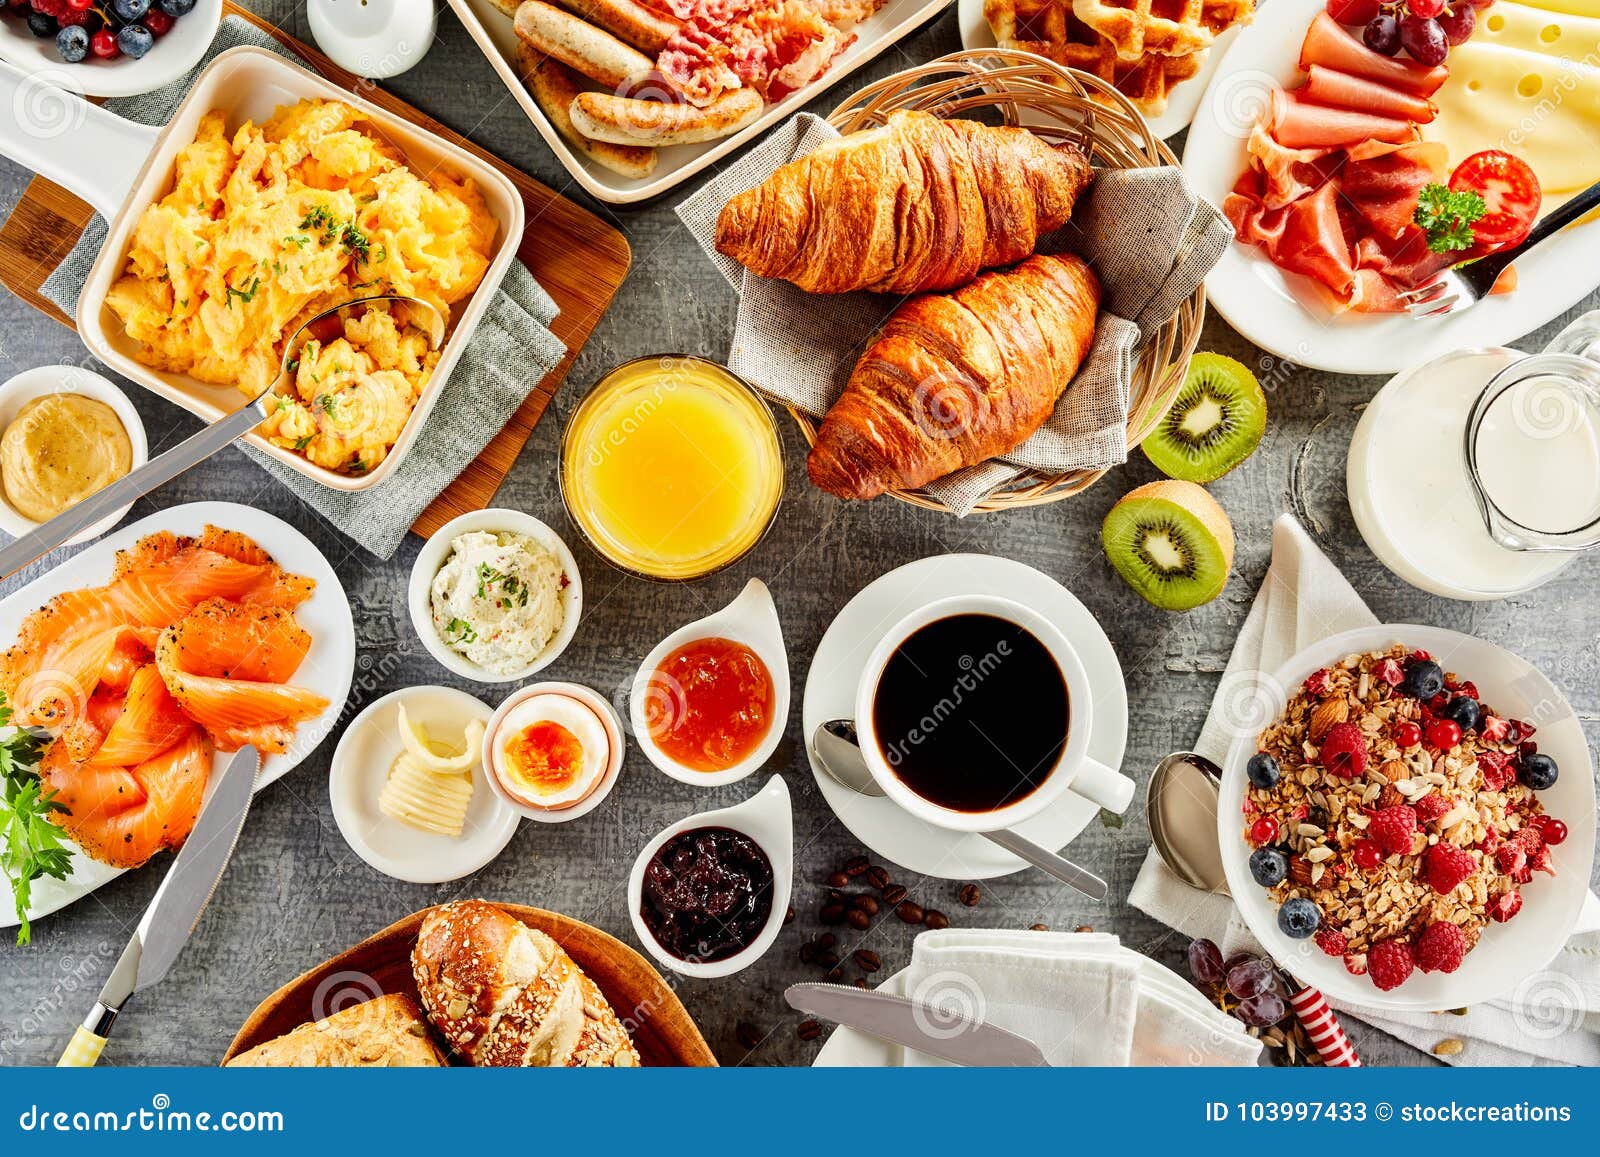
(1298, 124)
(1328, 44)
(1329, 86)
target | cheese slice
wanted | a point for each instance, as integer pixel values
(1587, 8)
(1533, 28)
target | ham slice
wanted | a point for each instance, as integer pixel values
(1299, 124)
(1329, 45)
(1337, 89)
(1288, 174)
(1305, 237)
(1383, 188)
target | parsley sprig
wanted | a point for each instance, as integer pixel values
(33, 844)
(1446, 215)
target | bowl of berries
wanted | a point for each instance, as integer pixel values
(1415, 828)
(107, 47)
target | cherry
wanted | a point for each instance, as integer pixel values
(1367, 855)
(1443, 734)
(1264, 830)
(1407, 734)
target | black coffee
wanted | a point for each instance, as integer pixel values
(971, 712)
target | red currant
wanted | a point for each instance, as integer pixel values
(157, 21)
(1443, 734)
(1367, 855)
(1264, 830)
(104, 44)
(1407, 734)
(1552, 829)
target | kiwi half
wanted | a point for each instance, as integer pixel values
(1215, 422)
(1171, 542)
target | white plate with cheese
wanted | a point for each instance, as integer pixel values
(365, 760)
(1518, 84)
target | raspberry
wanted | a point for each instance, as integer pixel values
(1445, 867)
(1332, 941)
(1430, 807)
(1526, 730)
(1512, 859)
(1344, 751)
(1317, 682)
(1530, 841)
(1505, 905)
(1470, 689)
(1441, 947)
(1391, 829)
(1495, 769)
(1390, 672)
(1491, 841)
(1389, 963)
(1355, 963)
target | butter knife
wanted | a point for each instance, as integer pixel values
(176, 908)
(924, 1027)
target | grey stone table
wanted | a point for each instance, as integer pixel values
(295, 893)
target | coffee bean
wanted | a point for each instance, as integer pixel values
(838, 880)
(859, 982)
(878, 877)
(1039, 928)
(748, 1035)
(827, 958)
(788, 917)
(827, 940)
(864, 903)
(893, 894)
(1084, 928)
(970, 894)
(933, 918)
(858, 919)
(867, 960)
(909, 911)
(808, 953)
(834, 896)
(856, 865)
(808, 1029)
(831, 914)
(834, 976)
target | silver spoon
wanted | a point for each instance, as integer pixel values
(168, 465)
(839, 753)
(1181, 806)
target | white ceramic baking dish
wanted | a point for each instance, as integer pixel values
(121, 168)
(492, 30)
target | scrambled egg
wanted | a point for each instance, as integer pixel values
(268, 228)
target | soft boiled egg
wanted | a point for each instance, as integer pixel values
(551, 751)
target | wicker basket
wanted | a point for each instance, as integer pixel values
(1063, 105)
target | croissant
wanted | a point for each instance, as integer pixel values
(916, 205)
(956, 379)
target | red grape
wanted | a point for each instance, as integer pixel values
(1382, 34)
(1353, 11)
(1424, 40)
(1261, 1010)
(1205, 962)
(1459, 22)
(1425, 8)
(1249, 978)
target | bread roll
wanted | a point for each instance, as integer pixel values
(387, 1032)
(504, 994)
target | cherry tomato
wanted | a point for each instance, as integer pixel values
(1509, 188)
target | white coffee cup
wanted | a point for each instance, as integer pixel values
(1074, 770)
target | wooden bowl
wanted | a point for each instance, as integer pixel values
(661, 1028)
(1060, 104)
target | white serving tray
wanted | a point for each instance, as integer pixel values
(492, 30)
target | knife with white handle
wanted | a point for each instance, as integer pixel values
(927, 1028)
(172, 915)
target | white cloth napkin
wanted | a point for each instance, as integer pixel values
(1304, 598)
(1082, 997)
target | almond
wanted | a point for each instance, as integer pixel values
(1394, 771)
(1300, 870)
(1389, 797)
(1325, 715)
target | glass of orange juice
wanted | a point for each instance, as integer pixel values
(671, 467)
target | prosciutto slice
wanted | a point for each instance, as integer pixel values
(1328, 44)
(1329, 86)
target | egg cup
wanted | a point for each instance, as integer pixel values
(610, 721)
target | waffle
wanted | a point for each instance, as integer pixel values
(1163, 27)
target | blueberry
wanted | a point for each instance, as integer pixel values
(41, 24)
(176, 8)
(72, 42)
(1299, 918)
(130, 10)
(1424, 679)
(135, 40)
(1263, 770)
(1268, 866)
(1465, 711)
(1538, 771)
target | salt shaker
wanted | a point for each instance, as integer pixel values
(374, 38)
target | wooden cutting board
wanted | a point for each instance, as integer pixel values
(578, 258)
(661, 1028)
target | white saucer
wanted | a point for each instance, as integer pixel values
(361, 763)
(893, 833)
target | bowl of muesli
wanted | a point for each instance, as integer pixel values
(1415, 828)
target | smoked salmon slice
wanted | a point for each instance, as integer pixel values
(224, 664)
(124, 815)
(149, 722)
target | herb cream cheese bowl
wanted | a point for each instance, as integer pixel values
(433, 558)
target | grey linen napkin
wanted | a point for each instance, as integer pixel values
(1148, 236)
(511, 351)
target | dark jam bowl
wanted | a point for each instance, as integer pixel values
(707, 894)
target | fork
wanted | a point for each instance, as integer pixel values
(1465, 285)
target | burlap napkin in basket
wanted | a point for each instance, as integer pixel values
(1145, 232)
(510, 353)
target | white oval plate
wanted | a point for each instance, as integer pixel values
(327, 667)
(1508, 953)
(1182, 101)
(885, 827)
(1279, 311)
(361, 763)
